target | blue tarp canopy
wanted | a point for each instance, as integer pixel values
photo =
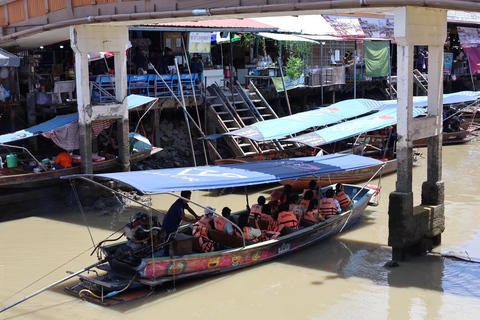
(384, 118)
(347, 129)
(60, 121)
(281, 127)
(236, 175)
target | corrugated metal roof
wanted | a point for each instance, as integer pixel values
(230, 24)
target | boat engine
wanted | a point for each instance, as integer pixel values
(140, 232)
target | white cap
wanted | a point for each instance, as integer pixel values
(209, 210)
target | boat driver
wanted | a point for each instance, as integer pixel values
(175, 215)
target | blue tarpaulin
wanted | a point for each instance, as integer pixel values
(281, 127)
(60, 121)
(236, 175)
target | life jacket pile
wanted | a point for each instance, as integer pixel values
(201, 233)
(288, 219)
(328, 208)
(342, 198)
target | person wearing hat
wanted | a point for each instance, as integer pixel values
(176, 214)
(224, 224)
(206, 220)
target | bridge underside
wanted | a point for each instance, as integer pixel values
(29, 24)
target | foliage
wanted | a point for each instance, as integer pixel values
(294, 66)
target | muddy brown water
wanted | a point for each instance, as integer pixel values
(341, 278)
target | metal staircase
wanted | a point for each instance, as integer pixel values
(421, 81)
(390, 88)
(225, 109)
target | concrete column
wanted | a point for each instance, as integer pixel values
(91, 38)
(409, 226)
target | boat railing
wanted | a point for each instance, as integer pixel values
(40, 164)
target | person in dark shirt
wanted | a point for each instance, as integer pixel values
(168, 60)
(111, 150)
(139, 60)
(175, 215)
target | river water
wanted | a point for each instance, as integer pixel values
(341, 278)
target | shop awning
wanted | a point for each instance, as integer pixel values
(284, 37)
(8, 59)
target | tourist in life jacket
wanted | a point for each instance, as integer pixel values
(311, 208)
(200, 230)
(295, 206)
(342, 198)
(329, 207)
(224, 224)
(312, 186)
(257, 208)
(206, 220)
(287, 218)
(249, 233)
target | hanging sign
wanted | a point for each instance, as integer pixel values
(199, 42)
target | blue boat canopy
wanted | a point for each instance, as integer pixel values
(133, 101)
(281, 127)
(337, 112)
(235, 175)
(347, 129)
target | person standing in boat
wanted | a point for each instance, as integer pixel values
(342, 198)
(175, 215)
(329, 207)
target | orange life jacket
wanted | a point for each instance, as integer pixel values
(343, 199)
(205, 222)
(328, 207)
(255, 211)
(288, 219)
(201, 233)
(305, 203)
(220, 223)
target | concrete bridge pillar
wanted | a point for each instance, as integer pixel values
(418, 227)
(94, 38)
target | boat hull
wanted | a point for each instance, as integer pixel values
(352, 176)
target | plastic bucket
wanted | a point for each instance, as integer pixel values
(11, 161)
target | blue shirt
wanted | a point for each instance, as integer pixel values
(174, 216)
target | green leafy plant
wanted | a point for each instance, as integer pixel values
(294, 66)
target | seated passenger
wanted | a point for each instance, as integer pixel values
(329, 207)
(266, 213)
(257, 208)
(200, 230)
(312, 185)
(63, 160)
(249, 233)
(224, 224)
(206, 220)
(287, 218)
(311, 212)
(342, 198)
